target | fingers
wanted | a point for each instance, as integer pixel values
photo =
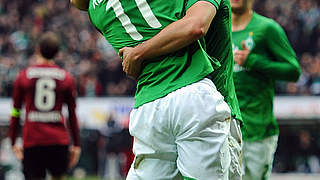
(18, 151)
(240, 57)
(74, 156)
(130, 70)
(120, 53)
(124, 65)
(130, 65)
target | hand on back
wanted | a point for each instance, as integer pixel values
(131, 64)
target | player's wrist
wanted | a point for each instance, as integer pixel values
(76, 148)
(140, 54)
(15, 112)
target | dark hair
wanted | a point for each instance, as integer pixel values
(49, 45)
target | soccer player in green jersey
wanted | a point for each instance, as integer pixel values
(180, 121)
(263, 55)
(219, 46)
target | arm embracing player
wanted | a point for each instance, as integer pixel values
(175, 36)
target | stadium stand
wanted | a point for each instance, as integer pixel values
(98, 69)
(99, 72)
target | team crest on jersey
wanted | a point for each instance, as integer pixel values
(249, 41)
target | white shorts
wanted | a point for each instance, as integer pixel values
(235, 146)
(184, 134)
(258, 158)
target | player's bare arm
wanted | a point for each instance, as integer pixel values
(80, 4)
(177, 35)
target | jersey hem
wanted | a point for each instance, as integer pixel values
(139, 103)
(28, 145)
(260, 138)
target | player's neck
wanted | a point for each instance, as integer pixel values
(43, 61)
(240, 21)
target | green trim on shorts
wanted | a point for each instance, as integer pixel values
(15, 112)
(187, 178)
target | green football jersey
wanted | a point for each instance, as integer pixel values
(219, 46)
(128, 23)
(271, 58)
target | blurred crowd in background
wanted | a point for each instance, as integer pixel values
(84, 52)
(97, 67)
(301, 21)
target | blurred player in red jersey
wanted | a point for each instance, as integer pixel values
(43, 89)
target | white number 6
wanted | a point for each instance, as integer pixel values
(45, 96)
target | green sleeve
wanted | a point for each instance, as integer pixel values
(282, 64)
(216, 3)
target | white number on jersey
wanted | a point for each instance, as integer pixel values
(145, 10)
(45, 96)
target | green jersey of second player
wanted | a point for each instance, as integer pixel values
(218, 46)
(128, 23)
(271, 58)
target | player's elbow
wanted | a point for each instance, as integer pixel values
(198, 30)
(199, 17)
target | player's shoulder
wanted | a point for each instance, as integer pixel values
(22, 73)
(262, 20)
(269, 24)
(68, 75)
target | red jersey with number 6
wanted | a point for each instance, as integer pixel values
(43, 89)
